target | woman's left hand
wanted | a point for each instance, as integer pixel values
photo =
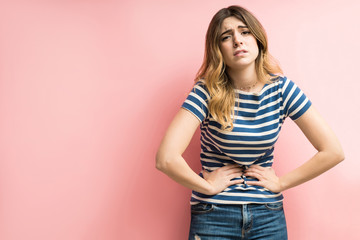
(266, 176)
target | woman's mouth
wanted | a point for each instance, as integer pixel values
(240, 52)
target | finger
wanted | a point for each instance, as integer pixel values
(255, 183)
(234, 175)
(254, 171)
(205, 172)
(235, 170)
(255, 175)
(233, 182)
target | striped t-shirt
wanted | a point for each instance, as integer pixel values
(257, 124)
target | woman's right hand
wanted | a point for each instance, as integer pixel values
(220, 178)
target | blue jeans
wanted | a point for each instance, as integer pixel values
(247, 221)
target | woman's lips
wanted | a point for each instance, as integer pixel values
(240, 52)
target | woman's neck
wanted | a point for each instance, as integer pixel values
(242, 78)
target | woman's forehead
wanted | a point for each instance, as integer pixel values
(231, 23)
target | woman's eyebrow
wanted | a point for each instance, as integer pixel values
(230, 30)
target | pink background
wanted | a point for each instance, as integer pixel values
(88, 88)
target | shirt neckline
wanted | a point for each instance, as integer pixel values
(251, 93)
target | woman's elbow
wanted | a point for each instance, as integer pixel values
(161, 161)
(340, 156)
(166, 160)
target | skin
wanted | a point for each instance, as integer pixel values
(181, 130)
(241, 68)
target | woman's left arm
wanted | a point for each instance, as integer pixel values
(329, 154)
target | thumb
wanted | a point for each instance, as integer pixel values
(204, 172)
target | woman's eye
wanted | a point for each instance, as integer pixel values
(225, 38)
(246, 32)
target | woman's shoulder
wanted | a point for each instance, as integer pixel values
(279, 80)
(277, 77)
(201, 83)
(200, 88)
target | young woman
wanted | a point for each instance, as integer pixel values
(240, 100)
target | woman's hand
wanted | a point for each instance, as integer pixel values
(266, 176)
(220, 178)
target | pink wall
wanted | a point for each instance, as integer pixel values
(87, 89)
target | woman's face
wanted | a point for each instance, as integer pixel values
(237, 44)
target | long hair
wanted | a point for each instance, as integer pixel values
(222, 94)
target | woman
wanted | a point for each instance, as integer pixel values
(240, 100)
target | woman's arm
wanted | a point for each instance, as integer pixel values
(324, 141)
(170, 161)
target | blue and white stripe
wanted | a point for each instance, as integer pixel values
(257, 124)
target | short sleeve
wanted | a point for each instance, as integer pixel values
(197, 101)
(295, 102)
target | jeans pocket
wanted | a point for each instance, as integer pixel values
(274, 206)
(201, 208)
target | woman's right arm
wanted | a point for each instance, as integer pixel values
(170, 161)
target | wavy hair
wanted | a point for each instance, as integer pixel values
(213, 69)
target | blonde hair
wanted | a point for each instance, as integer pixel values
(222, 94)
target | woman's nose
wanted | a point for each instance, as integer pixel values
(237, 40)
